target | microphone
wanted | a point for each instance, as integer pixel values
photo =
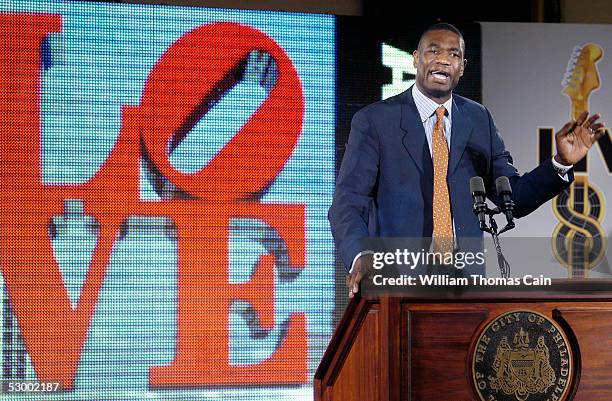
(504, 191)
(479, 193)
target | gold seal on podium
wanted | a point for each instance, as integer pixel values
(522, 356)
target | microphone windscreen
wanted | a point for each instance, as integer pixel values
(502, 185)
(477, 185)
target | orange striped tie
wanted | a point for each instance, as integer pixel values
(442, 221)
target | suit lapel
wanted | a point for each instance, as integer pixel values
(461, 131)
(414, 139)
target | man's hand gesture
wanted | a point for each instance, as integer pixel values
(576, 138)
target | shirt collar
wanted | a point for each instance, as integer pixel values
(427, 107)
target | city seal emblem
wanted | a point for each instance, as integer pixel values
(522, 356)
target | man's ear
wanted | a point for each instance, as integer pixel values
(463, 67)
(415, 58)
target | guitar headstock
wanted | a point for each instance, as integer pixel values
(581, 76)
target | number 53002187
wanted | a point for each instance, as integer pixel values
(30, 386)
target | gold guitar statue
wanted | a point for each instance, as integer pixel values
(579, 239)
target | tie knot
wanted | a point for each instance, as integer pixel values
(440, 111)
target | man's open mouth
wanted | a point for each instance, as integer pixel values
(440, 76)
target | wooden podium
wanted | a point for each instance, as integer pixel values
(421, 347)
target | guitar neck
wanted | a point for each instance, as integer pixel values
(577, 244)
(579, 106)
(578, 259)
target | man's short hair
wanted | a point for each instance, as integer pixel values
(445, 26)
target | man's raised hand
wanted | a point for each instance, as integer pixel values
(578, 136)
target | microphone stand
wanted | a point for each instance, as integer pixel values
(492, 228)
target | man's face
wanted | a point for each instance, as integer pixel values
(439, 63)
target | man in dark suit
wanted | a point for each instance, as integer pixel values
(400, 178)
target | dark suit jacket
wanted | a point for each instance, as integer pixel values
(385, 183)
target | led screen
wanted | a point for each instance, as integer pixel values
(166, 175)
